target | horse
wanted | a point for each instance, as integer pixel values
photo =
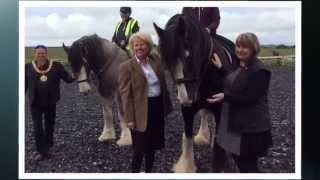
(102, 57)
(186, 50)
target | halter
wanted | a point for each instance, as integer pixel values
(191, 80)
(85, 80)
(85, 63)
(185, 80)
(99, 71)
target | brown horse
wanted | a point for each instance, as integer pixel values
(103, 58)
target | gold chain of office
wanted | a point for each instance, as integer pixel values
(43, 73)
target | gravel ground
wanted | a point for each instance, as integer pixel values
(79, 123)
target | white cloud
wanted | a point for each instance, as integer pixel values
(272, 25)
(52, 26)
(52, 20)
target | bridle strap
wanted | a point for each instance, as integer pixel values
(81, 81)
(105, 66)
(190, 80)
(185, 80)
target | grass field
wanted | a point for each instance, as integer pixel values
(282, 52)
(53, 53)
(58, 53)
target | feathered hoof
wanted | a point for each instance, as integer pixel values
(124, 141)
(184, 166)
(107, 135)
(201, 139)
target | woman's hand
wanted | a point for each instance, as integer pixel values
(216, 98)
(216, 60)
(131, 125)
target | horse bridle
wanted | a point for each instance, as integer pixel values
(191, 80)
(99, 72)
(85, 64)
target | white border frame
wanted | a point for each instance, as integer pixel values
(293, 4)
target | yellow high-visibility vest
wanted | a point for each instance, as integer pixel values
(128, 30)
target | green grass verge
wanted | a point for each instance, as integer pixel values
(58, 53)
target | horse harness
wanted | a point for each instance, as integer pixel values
(190, 80)
(99, 72)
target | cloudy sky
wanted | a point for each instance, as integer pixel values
(53, 25)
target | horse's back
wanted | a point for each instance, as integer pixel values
(108, 83)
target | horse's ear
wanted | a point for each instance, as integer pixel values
(181, 26)
(66, 49)
(158, 30)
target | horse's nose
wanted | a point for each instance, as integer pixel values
(84, 88)
(85, 93)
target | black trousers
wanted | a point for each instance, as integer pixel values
(219, 158)
(247, 164)
(138, 157)
(145, 143)
(43, 125)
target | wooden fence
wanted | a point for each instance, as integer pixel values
(288, 57)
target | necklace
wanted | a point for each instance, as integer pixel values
(43, 76)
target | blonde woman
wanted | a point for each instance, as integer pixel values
(144, 99)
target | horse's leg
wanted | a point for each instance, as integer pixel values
(125, 137)
(203, 136)
(108, 128)
(186, 160)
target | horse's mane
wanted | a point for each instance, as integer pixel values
(93, 45)
(92, 48)
(185, 31)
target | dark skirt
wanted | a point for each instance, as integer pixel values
(242, 144)
(255, 144)
(153, 137)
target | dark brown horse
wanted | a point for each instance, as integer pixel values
(103, 58)
(186, 50)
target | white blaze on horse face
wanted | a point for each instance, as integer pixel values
(182, 91)
(84, 86)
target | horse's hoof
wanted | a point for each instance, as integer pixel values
(124, 141)
(108, 135)
(200, 139)
(184, 167)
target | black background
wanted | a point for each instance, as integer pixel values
(9, 90)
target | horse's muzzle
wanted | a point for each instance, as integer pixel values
(84, 93)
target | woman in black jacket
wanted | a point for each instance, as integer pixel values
(245, 126)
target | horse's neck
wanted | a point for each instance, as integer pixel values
(204, 49)
(112, 51)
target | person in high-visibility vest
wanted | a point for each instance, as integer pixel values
(125, 28)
